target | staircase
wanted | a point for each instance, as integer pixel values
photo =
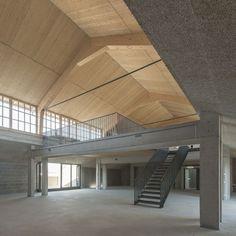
(153, 185)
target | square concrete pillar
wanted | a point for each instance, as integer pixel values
(98, 174)
(31, 177)
(226, 173)
(210, 174)
(104, 176)
(44, 176)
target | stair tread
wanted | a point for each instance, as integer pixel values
(152, 188)
(149, 202)
(150, 197)
(154, 193)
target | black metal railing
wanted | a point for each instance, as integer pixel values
(169, 177)
(142, 178)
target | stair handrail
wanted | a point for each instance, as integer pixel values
(141, 180)
(169, 177)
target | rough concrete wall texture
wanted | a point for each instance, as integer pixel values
(88, 177)
(234, 170)
(125, 176)
(114, 177)
(13, 167)
(195, 39)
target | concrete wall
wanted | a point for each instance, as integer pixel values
(234, 171)
(13, 167)
(88, 177)
(114, 177)
(125, 175)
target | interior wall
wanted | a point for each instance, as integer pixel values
(13, 167)
(114, 177)
(234, 173)
(88, 177)
(125, 175)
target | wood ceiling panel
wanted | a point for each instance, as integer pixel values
(98, 71)
(120, 95)
(173, 121)
(151, 113)
(100, 17)
(12, 13)
(153, 78)
(145, 97)
(82, 108)
(178, 110)
(22, 78)
(40, 31)
(38, 42)
(125, 14)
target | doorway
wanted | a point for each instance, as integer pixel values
(191, 178)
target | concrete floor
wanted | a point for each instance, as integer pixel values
(105, 213)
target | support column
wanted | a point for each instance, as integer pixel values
(226, 177)
(104, 176)
(98, 174)
(131, 175)
(44, 176)
(31, 176)
(231, 176)
(81, 176)
(210, 176)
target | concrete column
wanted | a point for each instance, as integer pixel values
(210, 176)
(81, 176)
(231, 176)
(226, 177)
(44, 176)
(104, 176)
(98, 174)
(131, 175)
(31, 176)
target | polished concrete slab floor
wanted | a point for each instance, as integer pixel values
(105, 213)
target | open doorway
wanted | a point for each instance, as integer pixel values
(191, 178)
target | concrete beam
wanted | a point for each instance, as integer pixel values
(143, 140)
(20, 137)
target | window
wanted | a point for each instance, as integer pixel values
(66, 176)
(61, 176)
(73, 130)
(65, 129)
(4, 112)
(54, 175)
(24, 117)
(51, 123)
(55, 125)
(17, 115)
(75, 176)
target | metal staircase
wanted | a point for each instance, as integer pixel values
(153, 185)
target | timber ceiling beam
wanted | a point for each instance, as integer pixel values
(137, 39)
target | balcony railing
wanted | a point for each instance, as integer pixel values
(109, 125)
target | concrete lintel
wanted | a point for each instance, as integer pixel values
(20, 137)
(143, 140)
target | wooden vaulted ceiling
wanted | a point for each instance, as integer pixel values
(53, 50)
